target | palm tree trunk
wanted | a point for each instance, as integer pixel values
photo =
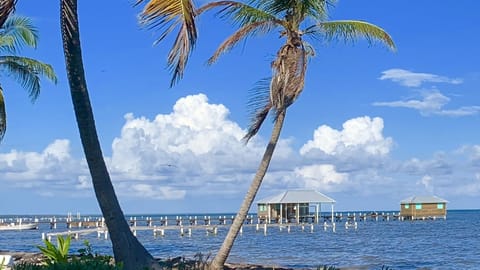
(126, 247)
(227, 245)
(6, 8)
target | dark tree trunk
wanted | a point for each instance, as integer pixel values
(6, 8)
(126, 247)
(227, 245)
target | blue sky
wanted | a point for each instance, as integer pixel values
(370, 129)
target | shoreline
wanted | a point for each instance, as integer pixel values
(19, 257)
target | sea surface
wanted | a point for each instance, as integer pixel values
(453, 243)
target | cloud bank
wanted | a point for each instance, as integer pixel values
(196, 151)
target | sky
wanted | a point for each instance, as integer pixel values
(371, 127)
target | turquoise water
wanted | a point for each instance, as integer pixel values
(431, 244)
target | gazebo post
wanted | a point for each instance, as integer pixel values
(269, 215)
(298, 213)
(332, 214)
(281, 213)
(316, 211)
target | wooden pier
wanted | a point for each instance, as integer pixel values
(210, 225)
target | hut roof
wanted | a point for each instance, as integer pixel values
(298, 196)
(423, 199)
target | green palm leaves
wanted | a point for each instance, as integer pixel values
(296, 20)
(16, 33)
(169, 15)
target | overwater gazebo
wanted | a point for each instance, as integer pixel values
(422, 207)
(293, 204)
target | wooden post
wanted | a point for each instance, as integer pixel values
(281, 214)
(297, 212)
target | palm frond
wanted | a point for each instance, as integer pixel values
(317, 9)
(259, 105)
(3, 115)
(165, 16)
(240, 13)
(242, 33)
(27, 72)
(7, 7)
(350, 31)
(7, 44)
(18, 31)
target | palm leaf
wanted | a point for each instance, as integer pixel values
(240, 13)
(317, 9)
(242, 33)
(165, 16)
(350, 31)
(259, 105)
(27, 72)
(17, 32)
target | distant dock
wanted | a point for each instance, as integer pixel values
(186, 225)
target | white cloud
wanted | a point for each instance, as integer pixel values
(196, 151)
(321, 177)
(413, 79)
(427, 183)
(362, 134)
(155, 192)
(28, 168)
(431, 103)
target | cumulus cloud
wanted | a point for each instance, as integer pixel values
(362, 134)
(321, 177)
(195, 147)
(53, 163)
(414, 79)
(431, 102)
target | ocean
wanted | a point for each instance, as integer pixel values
(422, 244)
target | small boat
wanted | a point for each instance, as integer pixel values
(18, 226)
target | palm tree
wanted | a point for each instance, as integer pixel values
(127, 249)
(15, 33)
(296, 20)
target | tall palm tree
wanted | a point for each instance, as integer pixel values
(296, 20)
(127, 249)
(15, 33)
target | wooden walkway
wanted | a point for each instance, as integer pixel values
(210, 225)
